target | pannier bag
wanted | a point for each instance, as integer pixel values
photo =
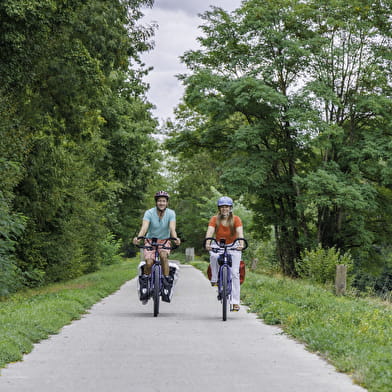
(174, 271)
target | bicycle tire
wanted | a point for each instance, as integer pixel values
(156, 292)
(224, 293)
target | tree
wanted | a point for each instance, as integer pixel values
(241, 82)
(73, 104)
(297, 93)
(194, 176)
(350, 91)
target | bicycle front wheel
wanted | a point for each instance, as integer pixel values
(156, 292)
(224, 292)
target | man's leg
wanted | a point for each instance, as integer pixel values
(164, 256)
(167, 278)
(143, 279)
(148, 265)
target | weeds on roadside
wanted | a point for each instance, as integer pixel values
(319, 265)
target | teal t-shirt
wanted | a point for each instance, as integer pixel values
(159, 227)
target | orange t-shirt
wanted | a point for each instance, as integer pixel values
(223, 232)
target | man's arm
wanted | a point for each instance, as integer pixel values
(173, 232)
(143, 230)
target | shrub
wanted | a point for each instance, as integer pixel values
(11, 226)
(264, 251)
(319, 265)
(110, 249)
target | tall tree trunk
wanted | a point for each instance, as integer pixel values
(287, 248)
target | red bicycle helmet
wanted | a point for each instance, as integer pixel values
(161, 194)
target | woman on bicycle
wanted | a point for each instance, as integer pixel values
(158, 222)
(226, 226)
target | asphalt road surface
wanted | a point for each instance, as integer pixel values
(119, 346)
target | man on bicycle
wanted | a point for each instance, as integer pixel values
(158, 222)
(226, 226)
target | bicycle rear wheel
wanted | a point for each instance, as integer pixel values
(156, 292)
(224, 292)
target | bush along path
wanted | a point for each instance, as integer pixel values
(353, 334)
(33, 315)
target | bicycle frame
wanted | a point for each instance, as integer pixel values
(155, 278)
(157, 261)
(224, 272)
(224, 262)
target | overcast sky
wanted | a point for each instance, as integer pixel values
(178, 23)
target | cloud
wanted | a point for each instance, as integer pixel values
(177, 32)
(194, 7)
(165, 92)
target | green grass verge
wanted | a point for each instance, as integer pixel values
(33, 315)
(355, 335)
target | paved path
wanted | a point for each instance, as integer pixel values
(120, 347)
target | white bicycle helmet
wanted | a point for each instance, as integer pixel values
(225, 201)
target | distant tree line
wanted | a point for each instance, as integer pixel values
(75, 135)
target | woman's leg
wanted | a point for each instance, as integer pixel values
(214, 266)
(235, 272)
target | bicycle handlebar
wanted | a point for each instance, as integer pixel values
(152, 243)
(222, 245)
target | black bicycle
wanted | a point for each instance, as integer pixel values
(224, 273)
(156, 286)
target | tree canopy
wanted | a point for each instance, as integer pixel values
(76, 132)
(295, 100)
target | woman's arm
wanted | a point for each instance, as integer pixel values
(240, 234)
(210, 233)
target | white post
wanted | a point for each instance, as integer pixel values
(340, 280)
(189, 254)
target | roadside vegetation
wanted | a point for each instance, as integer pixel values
(32, 315)
(353, 334)
(76, 136)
